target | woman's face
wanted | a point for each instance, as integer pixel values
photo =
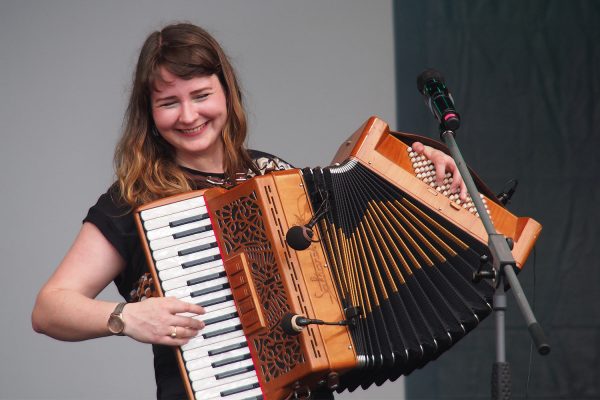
(190, 115)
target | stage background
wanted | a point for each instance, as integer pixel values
(312, 73)
(525, 76)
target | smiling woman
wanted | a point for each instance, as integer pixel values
(185, 129)
(190, 115)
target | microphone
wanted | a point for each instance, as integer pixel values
(299, 237)
(293, 324)
(432, 85)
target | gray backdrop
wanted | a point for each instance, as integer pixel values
(312, 72)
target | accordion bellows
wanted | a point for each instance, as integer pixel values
(392, 253)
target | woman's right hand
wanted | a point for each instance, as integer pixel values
(154, 320)
(67, 308)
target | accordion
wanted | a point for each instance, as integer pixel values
(389, 265)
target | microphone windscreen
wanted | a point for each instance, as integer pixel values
(288, 325)
(297, 239)
(426, 75)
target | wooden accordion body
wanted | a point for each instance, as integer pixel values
(402, 258)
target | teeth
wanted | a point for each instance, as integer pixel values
(193, 130)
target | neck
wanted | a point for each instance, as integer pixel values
(210, 162)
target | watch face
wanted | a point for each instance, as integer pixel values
(115, 324)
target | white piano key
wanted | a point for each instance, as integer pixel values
(208, 382)
(172, 208)
(210, 330)
(213, 331)
(198, 346)
(168, 231)
(218, 315)
(178, 272)
(173, 251)
(207, 361)
(210, 311)
(168, 219)
(179, 260)
(250, 384)
(185, 291)
(169, 241)
(216, 345)
(208, 376)
(195, 276)
(208, 298)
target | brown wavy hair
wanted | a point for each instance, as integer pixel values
(144, 162)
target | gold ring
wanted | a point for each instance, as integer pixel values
(174, 333)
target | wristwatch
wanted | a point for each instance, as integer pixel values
(116, 324)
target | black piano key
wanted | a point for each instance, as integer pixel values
(230, 360)
(223, 331)
(191, 232)
(239, 389)
(208, 290)
(196, 249)
(206, 278)
(225, 349)
(188, 220)
(220, 318)
(214, 301)
(234, 372)
(199, 261)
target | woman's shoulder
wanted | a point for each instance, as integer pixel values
(112, 203)
(266, 162)
(112, 211)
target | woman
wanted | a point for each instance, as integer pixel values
(185, 129)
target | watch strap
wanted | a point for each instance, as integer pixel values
(119, 309)
(117, 314)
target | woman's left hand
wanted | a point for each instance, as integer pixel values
(443, 164)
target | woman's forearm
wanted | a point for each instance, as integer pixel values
(70, 316)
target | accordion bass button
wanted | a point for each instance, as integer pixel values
(333, 380)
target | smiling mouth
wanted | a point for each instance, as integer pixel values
(194, 130)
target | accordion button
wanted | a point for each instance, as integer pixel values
(242, 292)
(237, 280)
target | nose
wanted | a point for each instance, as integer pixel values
(188, 113)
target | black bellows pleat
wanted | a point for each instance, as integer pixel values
(404, 266)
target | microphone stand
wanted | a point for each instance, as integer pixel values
(503, 270)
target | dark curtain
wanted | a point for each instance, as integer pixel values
(525, 76)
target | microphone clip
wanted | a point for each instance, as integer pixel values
(299, 237)
(508, 192)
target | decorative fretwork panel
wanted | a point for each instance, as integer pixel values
(243, 230)
(278, 352)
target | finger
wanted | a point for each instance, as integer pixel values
(188, 322)
(169, 341)
(177, 306)
(458, 185)
(418, 147)
(181, 332)
(440, 170)
(463, 190)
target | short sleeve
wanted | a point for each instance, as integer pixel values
(114, 220)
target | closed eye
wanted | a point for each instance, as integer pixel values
(201, 97)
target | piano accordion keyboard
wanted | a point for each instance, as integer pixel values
(186, 263)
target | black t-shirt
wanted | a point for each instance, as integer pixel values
(115, 220)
